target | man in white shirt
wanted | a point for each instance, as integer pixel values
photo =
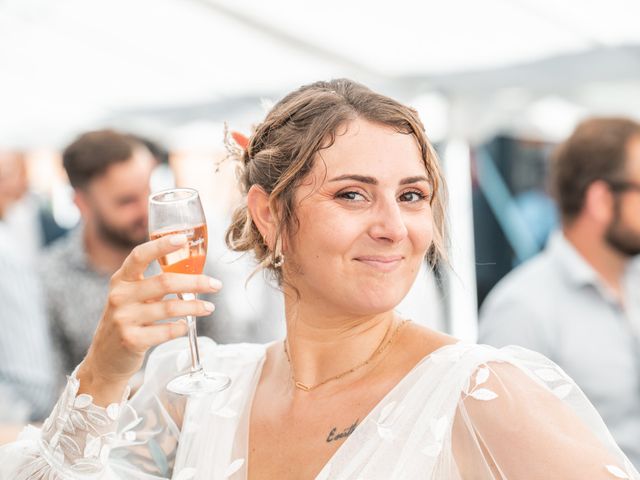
(578, 301)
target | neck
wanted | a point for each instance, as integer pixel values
(321, 346)
(102, 256)
(608, 263)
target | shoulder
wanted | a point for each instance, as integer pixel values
(511, 374)
(416, 343)
(522, 307)
(518, 401)
(488, 381)
(478, 355)
(56, 252)
(513, 393)
(510, 363)
(535, 275)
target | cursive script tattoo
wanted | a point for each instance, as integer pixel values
(333, 435)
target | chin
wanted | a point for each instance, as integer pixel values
(372, 303)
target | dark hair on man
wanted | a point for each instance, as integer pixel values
(596, 150)
(157, 149)
(92, 153)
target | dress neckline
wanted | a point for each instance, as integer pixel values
(404, 379)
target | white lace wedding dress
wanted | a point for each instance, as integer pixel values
(463, 412)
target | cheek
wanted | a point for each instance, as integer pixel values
(324, 236)
(136, 209)
(122, 215)
(630, 214)
(421, 232)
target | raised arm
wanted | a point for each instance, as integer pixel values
(82, 431)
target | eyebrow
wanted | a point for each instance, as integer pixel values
(373, 181)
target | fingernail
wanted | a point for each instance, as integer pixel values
(208, 306)
(217, 284)
(178, 239)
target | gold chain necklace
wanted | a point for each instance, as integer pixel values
(381, 348)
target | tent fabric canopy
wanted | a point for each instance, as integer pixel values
(70, 64)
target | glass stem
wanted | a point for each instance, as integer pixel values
(196, 366)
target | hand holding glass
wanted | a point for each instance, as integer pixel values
(179, 211)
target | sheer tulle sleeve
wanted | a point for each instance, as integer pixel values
(521, 417)
(135, 439)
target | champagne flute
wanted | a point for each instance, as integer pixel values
(179, 211)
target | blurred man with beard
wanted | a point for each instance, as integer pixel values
(110, 174)
(578, 302)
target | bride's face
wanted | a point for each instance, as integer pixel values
(365, 222)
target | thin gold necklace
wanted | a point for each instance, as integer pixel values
(381, 348)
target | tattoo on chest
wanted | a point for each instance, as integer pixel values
(335, 435)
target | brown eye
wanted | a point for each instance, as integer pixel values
(350, 196)
(413, 196)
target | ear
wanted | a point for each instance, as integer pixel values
(82, 202)
(599, 201)
(262, 215)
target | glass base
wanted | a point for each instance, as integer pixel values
(198, 383)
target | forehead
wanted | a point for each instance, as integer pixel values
(10, 162)
(363, 147)
(130, 175)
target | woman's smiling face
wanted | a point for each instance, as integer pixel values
(365, 221)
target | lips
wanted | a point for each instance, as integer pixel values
(381, 263)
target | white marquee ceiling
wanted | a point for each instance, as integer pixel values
(67, 64)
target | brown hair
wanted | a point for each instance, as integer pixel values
(282, 151)
(92, 153)
(596, 150)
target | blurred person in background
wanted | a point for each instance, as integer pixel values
(109, 172)
(27, 219)
(577, 302)
(26, 373)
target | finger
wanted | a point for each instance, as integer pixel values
(148, 313)
(150, 336)
(141, 256)
(158, 286)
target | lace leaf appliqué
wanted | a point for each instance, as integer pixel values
(387, 418)
(616, 471)
(482, 375)
(435, 437)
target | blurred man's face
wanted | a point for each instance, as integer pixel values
(13, 179)
(117, 202)
(623, 232)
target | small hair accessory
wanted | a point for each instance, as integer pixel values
(240, 139)
(236, 145)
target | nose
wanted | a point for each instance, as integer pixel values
(388, 222)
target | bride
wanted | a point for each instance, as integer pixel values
(344, 201)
